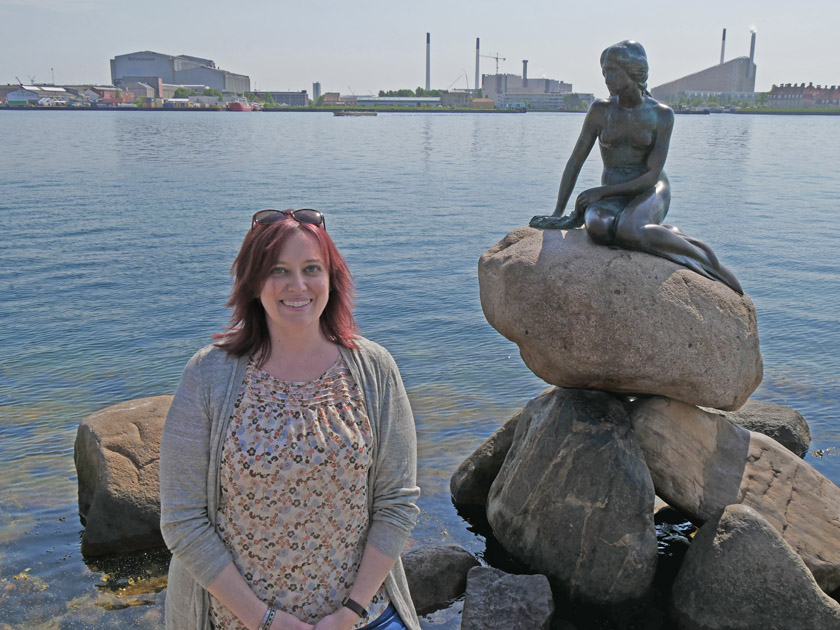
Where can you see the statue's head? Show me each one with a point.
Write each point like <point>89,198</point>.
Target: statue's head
<point>632,58</point>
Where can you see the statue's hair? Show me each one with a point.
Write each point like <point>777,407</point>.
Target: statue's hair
<point>631,56</point>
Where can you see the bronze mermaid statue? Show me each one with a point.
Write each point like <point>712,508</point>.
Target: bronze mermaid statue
<point>633,131</point>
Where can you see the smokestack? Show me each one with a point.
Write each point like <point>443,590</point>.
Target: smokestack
<point>524,73</point>
<point>428,61</point>
<point>722,46</point>
<point>750,71</point>
<point>477,76</point>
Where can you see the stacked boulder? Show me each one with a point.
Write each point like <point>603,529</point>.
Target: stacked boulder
<point>650,361</point>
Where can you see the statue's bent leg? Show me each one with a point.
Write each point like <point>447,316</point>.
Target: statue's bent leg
<point>601,222</point>
<point>638,228</point>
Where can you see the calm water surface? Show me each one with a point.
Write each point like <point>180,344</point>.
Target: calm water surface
<point>118,230</point>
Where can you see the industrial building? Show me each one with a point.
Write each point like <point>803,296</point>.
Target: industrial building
<point>728,81</point>
<point>40,94</point>
<point>397,101</point>
<point>154,68</point>
<point>510,90</point>
<point>292,99</point>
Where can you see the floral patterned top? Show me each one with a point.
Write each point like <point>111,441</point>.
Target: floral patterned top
<point>293,508</point>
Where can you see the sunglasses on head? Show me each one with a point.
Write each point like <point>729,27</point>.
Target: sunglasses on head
<point>304,215</point>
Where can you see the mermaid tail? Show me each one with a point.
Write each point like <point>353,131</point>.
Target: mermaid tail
<point>713,270</point>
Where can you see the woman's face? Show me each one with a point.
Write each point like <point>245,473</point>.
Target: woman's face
<point>616,77</point>
<point>297,291</point>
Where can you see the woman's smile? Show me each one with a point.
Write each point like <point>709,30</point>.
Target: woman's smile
<point>298,288</point>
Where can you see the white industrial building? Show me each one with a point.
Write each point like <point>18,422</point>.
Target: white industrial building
<point>511,90</point>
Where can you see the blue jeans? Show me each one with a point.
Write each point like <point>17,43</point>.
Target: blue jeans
<point>388,620</point>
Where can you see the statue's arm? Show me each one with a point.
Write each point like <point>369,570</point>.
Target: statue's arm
<point>583,146</point>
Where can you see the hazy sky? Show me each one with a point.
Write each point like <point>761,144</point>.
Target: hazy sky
<point>368,45</point>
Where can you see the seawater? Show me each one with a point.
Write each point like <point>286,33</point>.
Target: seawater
<point>118,230</point>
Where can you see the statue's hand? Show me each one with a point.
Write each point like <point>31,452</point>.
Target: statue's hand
<point>587,198</point>
<point>555,223</point>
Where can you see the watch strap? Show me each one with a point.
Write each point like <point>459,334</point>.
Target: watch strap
<point>355,606</point>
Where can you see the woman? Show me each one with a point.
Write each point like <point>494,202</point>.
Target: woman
<point>633,131</point>
<point>288,458</point>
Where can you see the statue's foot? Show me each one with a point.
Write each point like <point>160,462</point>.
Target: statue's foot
<point>555,223</point>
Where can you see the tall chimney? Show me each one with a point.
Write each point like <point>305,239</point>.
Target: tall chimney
<point>750,71</point>
<point>524,73</point>
<point>428,61</point>
<point>722,46</point>
<point>477,77</point>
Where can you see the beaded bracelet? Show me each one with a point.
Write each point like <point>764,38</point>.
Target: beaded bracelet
<point>265,624</point>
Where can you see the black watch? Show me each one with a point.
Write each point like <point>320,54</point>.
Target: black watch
<point>355,606</point>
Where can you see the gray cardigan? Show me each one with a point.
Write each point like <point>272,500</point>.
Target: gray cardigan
<point>190,454</point>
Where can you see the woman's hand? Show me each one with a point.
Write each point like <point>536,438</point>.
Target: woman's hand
<point>341,619</point>
<point>285,621</point>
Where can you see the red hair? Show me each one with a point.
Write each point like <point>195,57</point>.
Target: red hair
<point>248,330</point>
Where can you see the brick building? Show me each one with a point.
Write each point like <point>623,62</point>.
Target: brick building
<point>793,95</point>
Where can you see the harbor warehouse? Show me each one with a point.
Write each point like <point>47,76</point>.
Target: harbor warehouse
<point>148,66</point>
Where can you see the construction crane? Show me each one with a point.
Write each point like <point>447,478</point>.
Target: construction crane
<point>458,78</point>
<point>497,58</point>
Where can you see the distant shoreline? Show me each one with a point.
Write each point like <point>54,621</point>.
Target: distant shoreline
<point>391,110</point>
<point>803,111</point>
<point>406,110</point>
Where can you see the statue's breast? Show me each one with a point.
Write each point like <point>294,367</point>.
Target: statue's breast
<point>615,136</point>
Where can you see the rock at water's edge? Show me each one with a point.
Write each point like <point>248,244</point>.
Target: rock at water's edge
<point>593,317</point>
<point>436,575</point>
<point>471,482</point>
<point>117,455</point>
<point>574,499</point>
<point>739,573</point>
<point>783,424</point>
<point>500,601</point>
<point>700,463</point>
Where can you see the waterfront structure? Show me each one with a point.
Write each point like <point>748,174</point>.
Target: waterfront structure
<point>457,98</point>
<point>398,101</point>
<point>316,91</point>
<point>149,67</point>
<point>793,95</point>
<point>510,90</point>
<point>292,99</point>
<point>43,94</point>
<point>727,81</point>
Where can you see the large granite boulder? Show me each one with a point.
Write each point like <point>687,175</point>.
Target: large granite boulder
<point>436,575</point>
<point>117,455</point>
<point>470,484</point>
<point>593,317</point>
<point>701,462</point>
<point>783,424</point>
<point>500,601</point>
<point>739,574</point>
<point>574,499</point>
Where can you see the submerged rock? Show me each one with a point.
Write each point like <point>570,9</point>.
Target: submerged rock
<point>500,601</point>
<point>783,424</point>
<point>701,462</point>
<point>740,574</point>
<point>574,499</point>
<point>117,455</point>
<point>593,317</point>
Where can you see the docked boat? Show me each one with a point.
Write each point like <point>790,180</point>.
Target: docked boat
<point>238,106</point>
